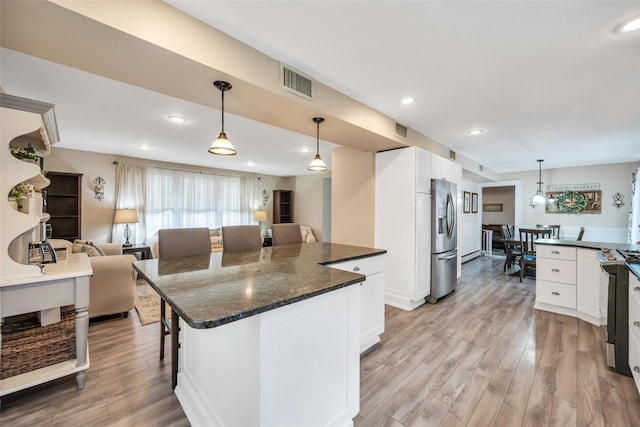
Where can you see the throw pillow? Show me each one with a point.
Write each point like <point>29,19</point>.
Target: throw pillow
<point>90,243</point>
<point>88,249</point>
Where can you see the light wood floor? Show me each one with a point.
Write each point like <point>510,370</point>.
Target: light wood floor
<point>483,356</point>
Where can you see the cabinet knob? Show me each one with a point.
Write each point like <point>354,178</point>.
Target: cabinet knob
<point>555,252</point>
<point>356,268</point>
<point>636,323</point>
<point>637,369</point>
<point>555,270</point>
<point>555,293</point>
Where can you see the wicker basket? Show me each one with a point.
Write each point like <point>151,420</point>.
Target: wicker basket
<point>27,346</point>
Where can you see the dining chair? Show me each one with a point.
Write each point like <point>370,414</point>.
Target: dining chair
<point>580,234</point>
<point>513,252</point>
<point>555,230</point>
<point>172,243</point>
<point>240,238</point>
<point>286,234</point>
<point>527,238</point>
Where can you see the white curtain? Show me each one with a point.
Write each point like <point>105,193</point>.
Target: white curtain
<point>177,199</point>
<point>634,213</point>
<point>131,193</point>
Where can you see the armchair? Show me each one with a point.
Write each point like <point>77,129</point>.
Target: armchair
<point>112,286</point>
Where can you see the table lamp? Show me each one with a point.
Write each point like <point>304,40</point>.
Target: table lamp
<point>260,216</point>
<point>126,216</point>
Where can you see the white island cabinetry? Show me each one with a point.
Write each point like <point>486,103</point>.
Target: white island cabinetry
<point>371,297</point>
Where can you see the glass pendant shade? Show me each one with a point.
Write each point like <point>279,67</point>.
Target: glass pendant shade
<point>222,146</point>
<point>538,198</point>
<point>317,165</point>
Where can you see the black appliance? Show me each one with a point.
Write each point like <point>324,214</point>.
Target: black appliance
<point>617,332</point>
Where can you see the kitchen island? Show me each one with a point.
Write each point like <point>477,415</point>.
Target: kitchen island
<point>267,337</point>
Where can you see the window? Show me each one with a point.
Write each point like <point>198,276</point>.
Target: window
<point>177,199</point>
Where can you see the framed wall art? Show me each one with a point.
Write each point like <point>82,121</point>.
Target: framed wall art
<point>466,204</point>
<point>492,207</point>
<point>474,202</point>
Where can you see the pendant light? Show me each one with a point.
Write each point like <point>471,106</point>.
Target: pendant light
<point>538,198</point>
<point>317,165</point>
<point>222,146</point>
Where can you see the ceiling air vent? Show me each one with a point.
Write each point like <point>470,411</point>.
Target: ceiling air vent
<point>401,131</point>
<point>452,154</point>
<point>296,82</point>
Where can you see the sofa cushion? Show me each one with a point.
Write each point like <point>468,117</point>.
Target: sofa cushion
<point>90,243</point>
<point>88,249</point>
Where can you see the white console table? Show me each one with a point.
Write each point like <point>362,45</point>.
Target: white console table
<point>63,283</point>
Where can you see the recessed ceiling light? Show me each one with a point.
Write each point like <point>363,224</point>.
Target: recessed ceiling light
<point>475,131</point>
<point>304,150</point>
<point>145,147</point>
<point>250,164</point>
<point>628,26</point>
<point>407,101</point>
<point>177,119</point>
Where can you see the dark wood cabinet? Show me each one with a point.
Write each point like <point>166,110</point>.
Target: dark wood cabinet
<point>282,206</point>
<point>64,204</point>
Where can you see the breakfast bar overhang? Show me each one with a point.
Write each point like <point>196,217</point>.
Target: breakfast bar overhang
<point>268,337</point>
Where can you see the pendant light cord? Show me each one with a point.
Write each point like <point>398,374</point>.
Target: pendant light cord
<point>222,91</point>
<point>318,137</point>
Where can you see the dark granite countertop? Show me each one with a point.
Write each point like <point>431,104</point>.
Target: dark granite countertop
<point>213,290</point>
<point>586,245</point>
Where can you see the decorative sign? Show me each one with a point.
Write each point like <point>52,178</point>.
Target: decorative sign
<point>574,201</point>
<point>572,187</point>
<point>492,207</point>
<point>618,200</point>
<point>474,202</point>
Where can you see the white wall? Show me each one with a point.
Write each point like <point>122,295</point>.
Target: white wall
<point>470,238</point>
<point>503,195</point>
<point>308,196</point>
<point>609,226</point>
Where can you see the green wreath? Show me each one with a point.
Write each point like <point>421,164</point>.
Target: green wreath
<point>571,202</point>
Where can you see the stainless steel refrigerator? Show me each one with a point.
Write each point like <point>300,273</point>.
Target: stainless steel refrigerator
<point>444,239</point>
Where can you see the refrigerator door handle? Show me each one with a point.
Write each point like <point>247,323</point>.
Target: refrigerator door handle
<point>452,256</point>
<point>451,215</point>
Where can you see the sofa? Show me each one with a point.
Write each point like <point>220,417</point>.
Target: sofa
<point>112,287</point>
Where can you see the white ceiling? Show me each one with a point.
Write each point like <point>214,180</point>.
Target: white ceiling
<point>545,79</point>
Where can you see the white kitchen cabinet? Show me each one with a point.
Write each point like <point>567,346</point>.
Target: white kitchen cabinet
<point>403,224</point>
<point>634,328</point>
<point>568,281</point>
<point>371,297</point>
<point>588,280</point>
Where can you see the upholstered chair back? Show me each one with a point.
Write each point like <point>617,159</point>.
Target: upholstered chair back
<point>240,238</point>
<point>176,242</point>
<point>286,234</point>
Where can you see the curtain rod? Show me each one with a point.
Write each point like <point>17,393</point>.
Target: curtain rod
<point>116,163</point>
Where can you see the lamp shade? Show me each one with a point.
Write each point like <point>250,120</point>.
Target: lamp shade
<point>260,215</point>
<point>125,216</point>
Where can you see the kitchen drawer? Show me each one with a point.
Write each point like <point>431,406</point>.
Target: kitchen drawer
<point>634,290</point>
<point>366,266</point>
<point>634,311</point>
<point>559,294</point>
<point>634,360</point>
<point>556,270</point>
<point>556,252</point>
